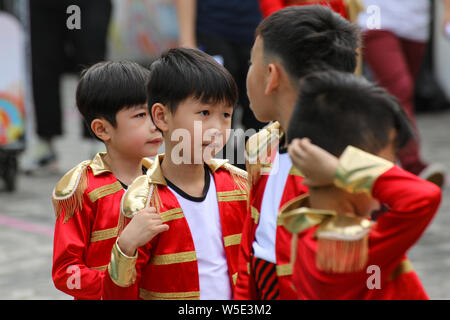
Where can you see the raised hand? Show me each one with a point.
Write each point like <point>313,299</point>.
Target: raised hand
<point>144,226</point>
<point>318,165</point>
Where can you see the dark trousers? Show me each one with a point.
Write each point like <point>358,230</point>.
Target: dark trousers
<point>55,50</point>
<point>396,63</point>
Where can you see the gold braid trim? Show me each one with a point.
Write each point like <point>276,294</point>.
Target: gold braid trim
<point>68,194</point>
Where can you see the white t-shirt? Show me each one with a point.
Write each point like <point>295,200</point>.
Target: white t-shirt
<point>265,234</point>
<point>407,19</point>
<point>204,223</point>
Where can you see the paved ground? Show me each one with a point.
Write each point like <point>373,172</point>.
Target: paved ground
<point>26,218</point>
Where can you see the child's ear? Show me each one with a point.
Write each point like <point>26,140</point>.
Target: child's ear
<point>101,128</point>
<point>273,78</point>
<point>160,116</point>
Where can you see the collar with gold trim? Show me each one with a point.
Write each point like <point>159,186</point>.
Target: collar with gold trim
<point>156,176</point>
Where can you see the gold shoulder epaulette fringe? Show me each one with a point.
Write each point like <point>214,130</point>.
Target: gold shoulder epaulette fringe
<point>67,195</point>
<point>240,177</point>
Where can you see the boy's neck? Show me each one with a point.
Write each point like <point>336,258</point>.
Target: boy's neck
<point>285,106</point>
<point>188,177</point>
<point>124,168</point>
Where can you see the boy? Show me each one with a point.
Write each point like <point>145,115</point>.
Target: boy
<point>203,201</point>
<point>111,98</point>
<point>344,251</point>
<point>289,44</point>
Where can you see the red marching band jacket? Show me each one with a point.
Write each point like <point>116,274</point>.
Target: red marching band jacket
<point>270,6</point>
<point>166,267</point>
<point>267,140</point>
<point>387,274</point>
<point>87,206</point>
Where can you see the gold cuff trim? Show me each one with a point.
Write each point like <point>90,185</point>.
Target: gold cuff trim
<point>104,234</point>
<point>172,214</point>
<point>295,172</point>
<point>121,267</point>
<point>101,268</point>
<point>284,270</point>
<point>404,267</point>
<point>255,214</point>
<point>104,191</point>
<point>358,170</point>
<point>153,295</point>
<point>232,240</point>
<point>234,278</point>
<point>181,257</point>
<point>248,268</point>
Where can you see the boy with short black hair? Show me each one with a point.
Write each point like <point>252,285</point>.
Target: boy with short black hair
<point>203,201</point>
<point>111,98</point>
<point>290,44</point>
<point>363,212</point>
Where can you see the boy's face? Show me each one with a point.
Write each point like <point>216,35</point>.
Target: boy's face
<point>135,135</point>
<point>199,127</point>
<point>260,103</point>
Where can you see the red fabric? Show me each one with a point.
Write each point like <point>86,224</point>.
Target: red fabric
<point>180,277</point>
<point>270,6</point>
<point>266,279</point>
<point>413,203</point>
<point>73,251</point>
<point>245,284</point>
<point>396,63</point>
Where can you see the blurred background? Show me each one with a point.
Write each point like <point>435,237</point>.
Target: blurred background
<point>44,44</point>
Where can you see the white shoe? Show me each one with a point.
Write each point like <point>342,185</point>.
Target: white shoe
<point>435,173</point>
<point>40,156</point>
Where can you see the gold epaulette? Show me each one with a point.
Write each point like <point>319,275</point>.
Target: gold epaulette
<point>260,148</point>
<point>358,170</point>
<point>68,193</point>
<point>240,177</point>
<point>342,239</point>
<point>137,196</point>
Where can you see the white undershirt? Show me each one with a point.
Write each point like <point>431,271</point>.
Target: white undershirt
<point>204,223</point>
<point>264,244</point>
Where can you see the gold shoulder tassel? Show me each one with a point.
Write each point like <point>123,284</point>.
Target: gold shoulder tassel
<point>68,194</point>
<point>240,178</point>
<point>342,244</point>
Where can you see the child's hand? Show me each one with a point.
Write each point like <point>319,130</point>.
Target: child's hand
<point>144,226</point>
<point>318,165</point>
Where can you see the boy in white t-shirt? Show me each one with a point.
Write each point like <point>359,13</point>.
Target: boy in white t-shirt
<point>202,200</point>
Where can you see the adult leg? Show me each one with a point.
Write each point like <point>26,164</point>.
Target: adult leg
<point>47,58</point>
<point>384,53</point>
<point>90,41</point>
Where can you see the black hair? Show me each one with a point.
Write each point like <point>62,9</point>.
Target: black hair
<point>310,38</point>
<point>336,109</point>
<point>107,87</point>
<point>183,73</point>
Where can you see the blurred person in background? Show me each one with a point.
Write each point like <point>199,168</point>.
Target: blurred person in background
<point>225,29</point>
<point>393,48</point>
<point>270,6</point>
<point>57,49</point>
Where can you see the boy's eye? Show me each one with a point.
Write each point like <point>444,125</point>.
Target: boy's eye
<point>141,115</point>
<point>226,115</point>
<point>204,112</point>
